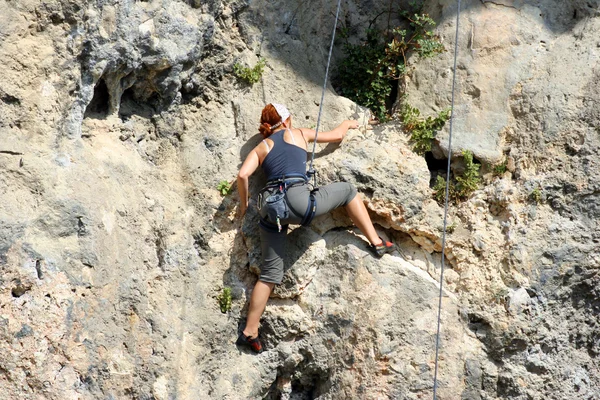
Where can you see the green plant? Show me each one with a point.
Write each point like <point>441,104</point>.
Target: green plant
<point>360,77</point>
<point>224,187</point>
<point>468,181</point>
<point>500,295</point>
<point>500,169</point>
<point>250,75</point>
<point>439,189</point>
<point>225,300</point>
<point>451,228</point>
<point>422,130</point>
<point>463,185</point>
<point>536,195</point>
<point>369,70</point>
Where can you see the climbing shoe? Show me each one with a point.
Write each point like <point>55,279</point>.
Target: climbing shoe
<point>253,343</point>
<point>381,249</point>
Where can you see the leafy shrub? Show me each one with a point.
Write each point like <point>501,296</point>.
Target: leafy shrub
<point>250,75</point>
<point>422,130</point>
<point>536,195</point>
<point>224,187</point>
<point>370,69</point>
<point>463,185</point>
<point>500,169</point>
<point>225,300</point>
<point>439,189</point>
<point>469,180</point>
<point>361,78</point>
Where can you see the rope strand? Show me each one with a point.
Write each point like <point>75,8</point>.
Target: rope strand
<point>311,171</point>
<point>439,318</point>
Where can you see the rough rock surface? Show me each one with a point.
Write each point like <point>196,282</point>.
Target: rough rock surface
<point>118,119</point>
<point>527,80</point>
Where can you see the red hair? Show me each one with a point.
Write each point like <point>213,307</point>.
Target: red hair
<point>269,120</point>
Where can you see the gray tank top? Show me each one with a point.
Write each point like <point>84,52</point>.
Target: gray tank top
<point>284,159</point>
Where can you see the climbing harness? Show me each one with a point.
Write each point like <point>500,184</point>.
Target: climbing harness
<point>272,196</point>
<point>274,207</point>
<point>439,317</point>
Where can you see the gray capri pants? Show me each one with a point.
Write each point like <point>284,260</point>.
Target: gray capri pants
<point>328,198</point>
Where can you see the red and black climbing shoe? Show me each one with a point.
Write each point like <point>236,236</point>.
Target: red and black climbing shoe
<point>254,343</point>
<point>383,248</point>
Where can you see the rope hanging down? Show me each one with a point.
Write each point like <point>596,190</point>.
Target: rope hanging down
<point>437,337</point>
<point>311,171</point>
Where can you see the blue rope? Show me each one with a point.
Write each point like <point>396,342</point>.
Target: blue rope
<point>311,171</point>
<point>439,318</point>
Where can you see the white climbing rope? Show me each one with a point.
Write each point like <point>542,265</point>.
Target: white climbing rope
<point>439,318</point>
<point>311,171</point>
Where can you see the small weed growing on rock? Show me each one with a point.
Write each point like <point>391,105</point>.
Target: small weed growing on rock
<point>500,295</point>
<point>500,169</point>
<point>536,195</point>
<point>463,185</point>
<point>224,187</point>
<point>250,75</point>
<point>225,300</point>
<point>370,69</point>
<point>469,180</point>
<point>451,228</point>
<point>422,130</point>
<point>439,189</point>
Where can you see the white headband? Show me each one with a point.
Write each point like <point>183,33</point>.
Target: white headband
<point>282,111</point>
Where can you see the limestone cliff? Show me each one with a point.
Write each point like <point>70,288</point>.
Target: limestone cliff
<point>118,119</point>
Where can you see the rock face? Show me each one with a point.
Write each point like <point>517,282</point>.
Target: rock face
<point>119,119</point>
<point>526,74</point>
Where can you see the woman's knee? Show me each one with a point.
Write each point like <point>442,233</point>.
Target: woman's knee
<point>272,271</point>
<point>272,278</point>
<point>352,193</point>
<point>271,285</point>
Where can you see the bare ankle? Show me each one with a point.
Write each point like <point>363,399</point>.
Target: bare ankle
<point>377,242</point>
<point>250,334</point>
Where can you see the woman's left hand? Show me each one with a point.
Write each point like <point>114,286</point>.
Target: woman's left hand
<point>242,210</point>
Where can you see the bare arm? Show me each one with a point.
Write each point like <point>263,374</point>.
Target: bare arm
<point>334,135</point>
<point>248,167</point>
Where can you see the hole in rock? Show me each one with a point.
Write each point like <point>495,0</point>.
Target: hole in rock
<point>435,164</point>
<point>132,104</point>
<point>391,99</point>
<point>478,324</point>
<point>9,99</point>
<point>307,385</point>
<point>98,107</point>
<point>436,167</point>
<point>506,386</point>
<point>18,291</point>
<point>38,269</point>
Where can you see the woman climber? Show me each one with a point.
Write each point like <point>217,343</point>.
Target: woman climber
<point>287,199</point>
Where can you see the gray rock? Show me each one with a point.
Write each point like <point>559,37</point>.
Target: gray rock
<point>518,301</point>
<point>115,243</point>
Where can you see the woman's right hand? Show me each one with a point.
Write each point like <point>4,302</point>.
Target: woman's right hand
<point>336,135</point>
<point>351,124</point>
